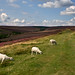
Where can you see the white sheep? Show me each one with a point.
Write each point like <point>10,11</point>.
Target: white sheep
<point>53,42</point>
<point>36,49</point>
<point>4,57</point>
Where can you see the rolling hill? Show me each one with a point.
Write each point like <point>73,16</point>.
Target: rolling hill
<point>56,59</point>
<point>12,34</point>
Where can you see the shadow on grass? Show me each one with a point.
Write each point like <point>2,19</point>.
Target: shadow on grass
<point>30,57</point>
<point>6,64</point>
<point>3,73</point>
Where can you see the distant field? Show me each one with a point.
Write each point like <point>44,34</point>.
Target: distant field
<point>16,34</point>
<point>55,60</point>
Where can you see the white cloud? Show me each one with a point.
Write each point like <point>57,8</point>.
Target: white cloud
<point>11,1</point>
<point>47,5</point>
<point>1,10</point>
<point>69,11</point>
<point>4,17</point>
<point>25,13</point>
<point>45,21</point>
<point>14,5</point>
<point>53,22</point>
<point>23,21</point>
<point>30,23</point>
<point>56,4</point>
<point>24,2</point>
<point>73,19</point>
<point>18,21</point>
<point>6,20</point>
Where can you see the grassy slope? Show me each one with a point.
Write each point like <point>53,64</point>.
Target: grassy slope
<point>55,60</point>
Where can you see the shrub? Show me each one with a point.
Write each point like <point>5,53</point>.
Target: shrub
<point>66,31</point>
<point>3,36</point>
<point>15,33</point>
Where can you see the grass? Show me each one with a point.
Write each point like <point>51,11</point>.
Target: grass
<point>55,60</point>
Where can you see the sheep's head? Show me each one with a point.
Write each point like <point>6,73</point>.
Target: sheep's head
<point>40,52</point>
<point>11,58</point>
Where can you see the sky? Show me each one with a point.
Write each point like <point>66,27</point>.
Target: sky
<point>37,12</point>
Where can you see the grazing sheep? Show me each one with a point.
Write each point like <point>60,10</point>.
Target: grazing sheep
<point>4,57</point>
<point>53,42</point>
<point>35,49</point>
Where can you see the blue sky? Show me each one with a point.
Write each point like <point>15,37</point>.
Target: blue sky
<point>37,12</point>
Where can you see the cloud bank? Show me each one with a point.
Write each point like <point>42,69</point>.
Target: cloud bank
<point>56,4</point>
<point>70,22</point>
<point>7,21</point>
<point>69,11</point>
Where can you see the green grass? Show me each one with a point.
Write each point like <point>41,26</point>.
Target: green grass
<point>55,60</point>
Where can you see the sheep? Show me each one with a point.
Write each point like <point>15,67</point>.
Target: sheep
<point>4,57</point>
<point>53,42</point>
<point>35,49</point>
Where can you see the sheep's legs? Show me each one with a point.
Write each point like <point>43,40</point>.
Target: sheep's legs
<point>36,53</point>
<point>32,53</point>
<point>51,43</point>
<point>2,61</point>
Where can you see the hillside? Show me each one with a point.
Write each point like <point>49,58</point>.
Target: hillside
<point>55,60</point>
<point>12,34</point>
